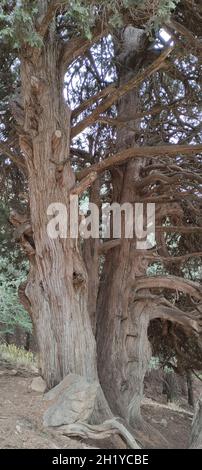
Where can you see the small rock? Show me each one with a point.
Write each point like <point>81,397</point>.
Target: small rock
<point>38,385</point>
<point>154,421</point>
<point>25,424</point>
<point>8,372</point>
<point>34,369</point>
<point>164,422</point>
<point>18,428</point>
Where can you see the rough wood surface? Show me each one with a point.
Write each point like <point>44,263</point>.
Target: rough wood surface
<point>196,435</point>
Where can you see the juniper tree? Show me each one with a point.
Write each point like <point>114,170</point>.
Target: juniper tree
<point>145,110</point>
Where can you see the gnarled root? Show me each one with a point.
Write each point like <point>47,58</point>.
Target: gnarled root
<point>77,407</point>
<point>106,430</point>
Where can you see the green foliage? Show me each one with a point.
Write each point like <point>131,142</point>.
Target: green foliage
<point>154,13</point>
<point>8,245</point>
<point>12,312</point>
<point>162,15</point>
<point>82,14</point>
<point>5,229</point>
<point>19,26</point>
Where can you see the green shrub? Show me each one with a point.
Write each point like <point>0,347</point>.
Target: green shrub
<point>12,313</point>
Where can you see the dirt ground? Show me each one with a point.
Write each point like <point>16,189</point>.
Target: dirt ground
<point>21,426</point>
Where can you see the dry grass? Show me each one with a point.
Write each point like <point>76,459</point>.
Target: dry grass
<point>17,356</point>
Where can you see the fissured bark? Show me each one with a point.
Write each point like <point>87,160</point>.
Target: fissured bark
<point>57,283</point>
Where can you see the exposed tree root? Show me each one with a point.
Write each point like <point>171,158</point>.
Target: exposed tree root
<point>77,407</point>
<point>106,430</point>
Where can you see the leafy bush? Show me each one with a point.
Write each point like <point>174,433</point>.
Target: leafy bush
<point>12,313</point>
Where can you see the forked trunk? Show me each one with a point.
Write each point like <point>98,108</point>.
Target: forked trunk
<point>56,293</point>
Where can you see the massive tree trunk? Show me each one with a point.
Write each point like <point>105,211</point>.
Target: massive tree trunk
<point>122,343</point>
<point>123,353</point>
<point>56,292</point>
<point>57,283</point>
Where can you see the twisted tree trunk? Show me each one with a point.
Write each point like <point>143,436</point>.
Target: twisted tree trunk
<point>57,284</point>
<point>122,343</point>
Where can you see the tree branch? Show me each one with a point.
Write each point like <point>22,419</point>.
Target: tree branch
<point>174,314</point>
<point>173,259</point>
<point>170,282</point>
<point>106,246</point>
<point>185,33</point>
<point>80,153</point>
<point>135,152</point>
<point>45,21</point>
<point>179,229</point>
<point>172,179</point>
<point>76,47</point>
<point>5,150</point>
<point>156,109</point>
<point>106,91</point>
<point>84,184</point>
<point>121,91</point>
